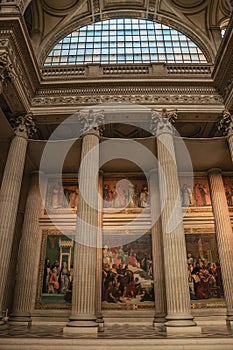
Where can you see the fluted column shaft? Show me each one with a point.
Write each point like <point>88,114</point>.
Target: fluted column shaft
<point>9,199</point>
<point>29,250</point>
<point>99,252</point>
<point>84,278</point>
<point>177,289</point>
<point>157,249</point>
<point>224,235</point>
<point>230,143</point>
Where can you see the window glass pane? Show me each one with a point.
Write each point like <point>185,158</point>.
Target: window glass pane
<point>141,40</point>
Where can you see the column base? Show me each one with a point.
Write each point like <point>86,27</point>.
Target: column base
<point>81,324</point>
<point>20,318</point>
<point>229,322</point>
<point>3,323</point>
<point>100,323</point>
<point>180,320</point>
<point>159,321</point>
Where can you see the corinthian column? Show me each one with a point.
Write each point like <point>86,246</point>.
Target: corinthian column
<point>10,191</point>
<point>83,315</point>
<point>226,127</point>
<point>157,250</point>
<point>179,316</point>
<point>224,236</point>
<point>29,251</point>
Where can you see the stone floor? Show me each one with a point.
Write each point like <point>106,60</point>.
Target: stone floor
<point>114,336</point>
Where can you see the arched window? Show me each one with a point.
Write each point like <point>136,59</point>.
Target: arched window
<point>125,40</point>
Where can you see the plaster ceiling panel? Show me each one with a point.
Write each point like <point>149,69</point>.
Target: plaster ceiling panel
<point>188,3</point>
<point>57,155</point>
<point>59,4</point>
<point>199,19</point>
<point>189,129</point>
<point>50,22</point>
<point>204,153</point>
<point>123,4</point>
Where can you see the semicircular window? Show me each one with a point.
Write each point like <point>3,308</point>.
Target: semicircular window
<point>124,40</point>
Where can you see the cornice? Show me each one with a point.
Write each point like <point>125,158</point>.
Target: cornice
<point>144,96</point>
<point>223,69</point>
<point>156,87</point>
<point>14,41</point>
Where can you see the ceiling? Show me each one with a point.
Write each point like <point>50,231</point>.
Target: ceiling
<point>50,20</point>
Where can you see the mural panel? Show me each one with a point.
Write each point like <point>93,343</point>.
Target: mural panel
<point>204,270</point>
<point>126,193</point>
<point>61,195</point>
<point>194,193</point>
<point>56,270</point>
<point>228,185</point>
<point>127,275</point>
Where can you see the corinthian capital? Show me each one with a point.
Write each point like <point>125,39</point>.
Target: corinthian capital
<point>24,125</point>
<point>91,120</point>
<point>163,122</point>
<point>226,123</point>
<point>6,70</point>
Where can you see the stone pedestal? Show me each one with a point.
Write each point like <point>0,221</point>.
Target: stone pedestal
<point>224,236</point>
<point>157,250</point>
<point>9,195</point>
<point>28,258</point>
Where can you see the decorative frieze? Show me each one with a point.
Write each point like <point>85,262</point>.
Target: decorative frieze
<point>127,97</point>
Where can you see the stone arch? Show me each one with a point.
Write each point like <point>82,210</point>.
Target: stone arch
<point>198,38</point>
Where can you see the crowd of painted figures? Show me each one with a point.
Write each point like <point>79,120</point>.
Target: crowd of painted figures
<point>124,275</point>
<point>205,279</point>
<point>131,197</point>
<point>126,196</point>
<point>56,279</point>
<point>135,196</point>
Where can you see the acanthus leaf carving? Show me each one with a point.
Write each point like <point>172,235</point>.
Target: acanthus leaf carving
<point>24,125</point>
<point>163,122</point>
<point>91,120</point>
<point>226,123</point>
